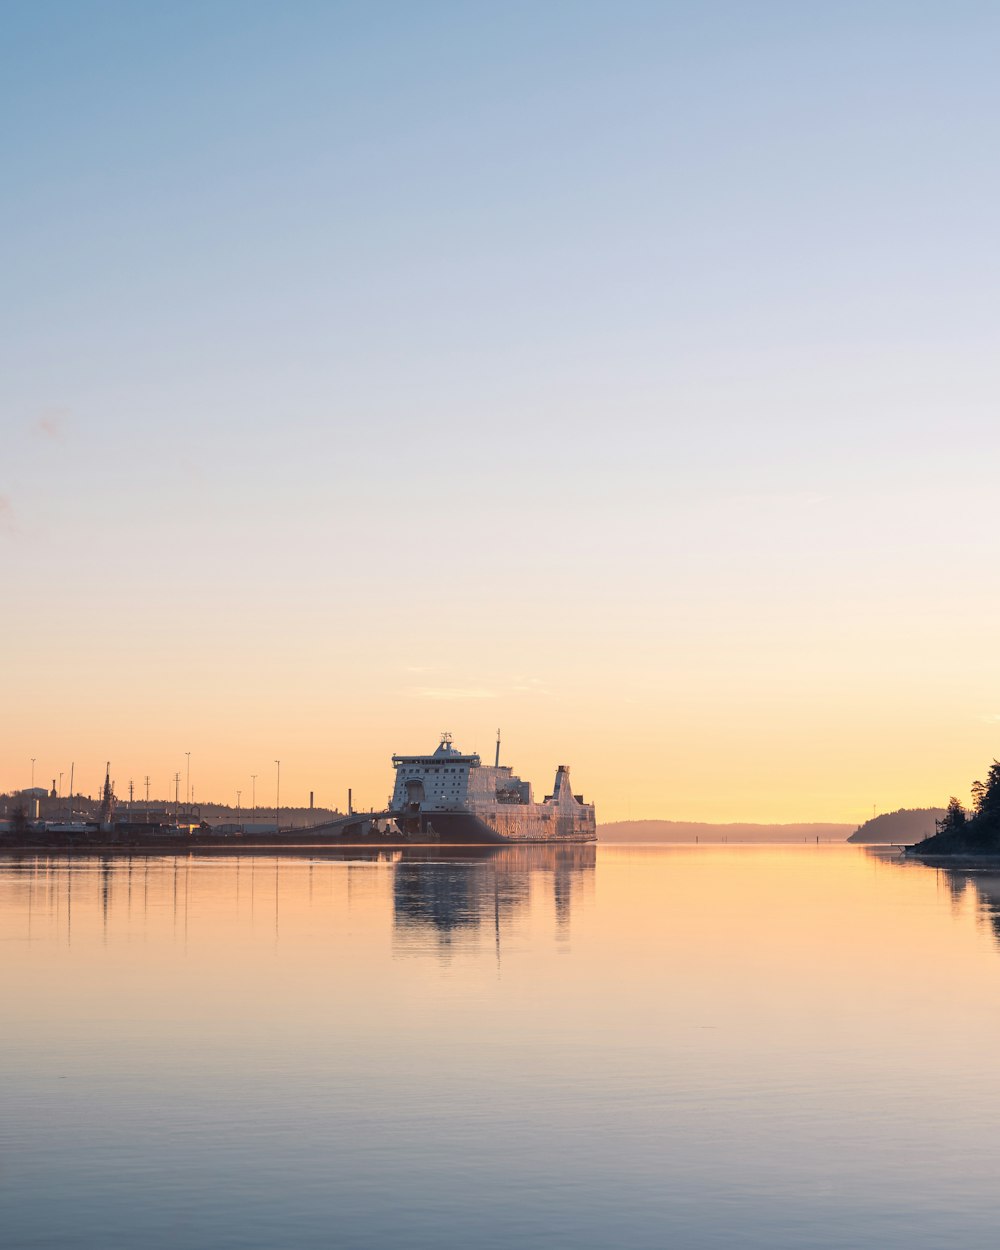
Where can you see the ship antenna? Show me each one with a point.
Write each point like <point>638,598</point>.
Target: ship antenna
<point>497,761</point>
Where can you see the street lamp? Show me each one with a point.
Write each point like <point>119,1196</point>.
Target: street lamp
<point>238,793</point>
<point>277,799</point>
<point>253,794</point>
<point>32,772</point>
<point>188,782</point>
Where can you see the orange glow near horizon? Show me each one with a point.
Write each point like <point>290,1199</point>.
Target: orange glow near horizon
<point>695,764</point>
<point>466,436</point>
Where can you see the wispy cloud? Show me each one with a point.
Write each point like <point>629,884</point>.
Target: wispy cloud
<point>529,685</point>
<point>991,718</point>
<point>446,694</point>
<point>519,683</point>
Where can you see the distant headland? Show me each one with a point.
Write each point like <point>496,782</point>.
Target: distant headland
<point>908,824</point>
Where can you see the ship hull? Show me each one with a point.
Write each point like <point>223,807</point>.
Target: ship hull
<point>467,828</point>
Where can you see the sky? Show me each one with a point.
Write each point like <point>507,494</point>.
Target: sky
<point>622,375</point>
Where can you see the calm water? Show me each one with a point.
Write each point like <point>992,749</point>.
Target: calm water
<point>642,1047</point>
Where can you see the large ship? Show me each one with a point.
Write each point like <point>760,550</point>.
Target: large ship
<point>451,797</point>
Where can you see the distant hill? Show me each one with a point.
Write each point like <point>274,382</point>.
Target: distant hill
<point>909,824</point>
<point>691,831</point>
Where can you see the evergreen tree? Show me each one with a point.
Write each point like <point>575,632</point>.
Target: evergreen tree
<point>986,802</point>
<point>954,819</point>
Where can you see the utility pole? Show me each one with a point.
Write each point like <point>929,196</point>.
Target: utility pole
<point>177,796</point>
<point>130,796</point>
<point>188,784</point>
<point>238,793</point>
<point>277,799</point>
<point>253,799</point>
<point>147,792</point>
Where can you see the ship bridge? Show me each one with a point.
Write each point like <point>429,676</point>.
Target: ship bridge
<point>439,781</point>
<point>446,755</point>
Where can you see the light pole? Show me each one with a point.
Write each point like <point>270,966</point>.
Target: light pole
<point>60,785</point>
<point>32,772</point>
<point>277,799</point>
<point>253,794</point>
<point>188,782</point>
<point>238,793</point>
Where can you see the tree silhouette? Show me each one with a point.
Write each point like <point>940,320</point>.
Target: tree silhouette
<point>954,819</point>
<point>976,832</point>
<point>984,827</point>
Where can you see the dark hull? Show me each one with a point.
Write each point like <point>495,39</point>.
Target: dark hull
<point>464,829</point>
<point>454,828</point>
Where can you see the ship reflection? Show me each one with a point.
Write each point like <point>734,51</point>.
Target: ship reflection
<point>453,895</point>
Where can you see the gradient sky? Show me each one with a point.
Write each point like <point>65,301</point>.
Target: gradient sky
<point>625,375</point>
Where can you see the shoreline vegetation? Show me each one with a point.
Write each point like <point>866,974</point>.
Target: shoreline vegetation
<point>972,832</point>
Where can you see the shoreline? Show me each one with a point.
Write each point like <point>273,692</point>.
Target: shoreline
<point>960,859</point>
<point>164,846</point>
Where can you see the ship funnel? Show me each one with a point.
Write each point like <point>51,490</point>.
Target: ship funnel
<point>562,792</point>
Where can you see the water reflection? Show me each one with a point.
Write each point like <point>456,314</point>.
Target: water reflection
<point>981,885</point>
<point>448,897</point>
<point>448,894</point>
<point>984,887</point>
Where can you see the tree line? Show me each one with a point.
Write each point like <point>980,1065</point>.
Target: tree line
<point>980,824</point>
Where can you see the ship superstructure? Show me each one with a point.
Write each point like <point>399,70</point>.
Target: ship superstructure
<point>457,797</point>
